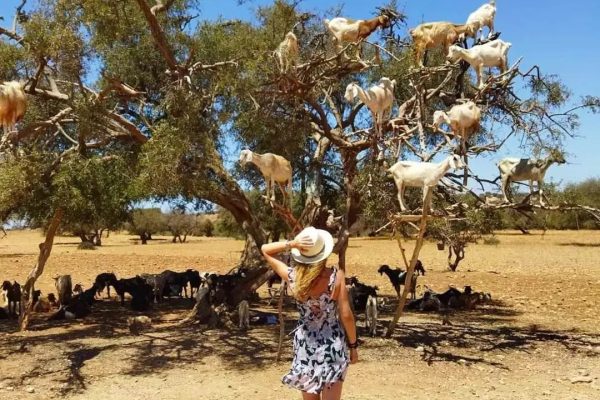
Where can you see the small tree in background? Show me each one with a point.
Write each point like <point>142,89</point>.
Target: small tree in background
<point>180,225</point>
<point>146,222</point>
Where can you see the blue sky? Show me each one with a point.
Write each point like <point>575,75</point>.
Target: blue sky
<point>562,37</point>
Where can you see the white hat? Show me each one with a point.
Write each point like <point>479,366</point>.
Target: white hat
<point>320,250</point>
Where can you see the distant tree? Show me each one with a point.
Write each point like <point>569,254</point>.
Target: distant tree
<point>146,222</point>
<point>180,225</point>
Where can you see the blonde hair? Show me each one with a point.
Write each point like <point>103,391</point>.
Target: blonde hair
<point>305,277</point>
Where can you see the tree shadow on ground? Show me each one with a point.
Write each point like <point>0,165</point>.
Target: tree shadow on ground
<point>448,343</point>
<point>68,345</point>
<point>580,244</point>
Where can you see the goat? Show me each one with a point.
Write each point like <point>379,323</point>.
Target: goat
<point>157,282</point>
<point>141,297</point>
<point>274,168</point>
<point>175,283</point>
<point>490,54</point>
<point>77,289</point>
<point>482,17</point>
<point>63,288</point>
<point>463,119</point>
<point>138,324</point>
<point>13,104</point>
<point>432,35</point>
<point>128,285</point>
<point>515,170</point>
<point>360,294</point>
<point>287,52</point>
<point>421,174</point>
<point>244,315</point>
<point>13,296</point>
<point>430,302</point>
<point>397,277</point>
<point>106,280</point>
<point>79,306</point>
<point>371,315</point>
<point>378,98</point>
<point>194,279</point>
<point>345,30</point>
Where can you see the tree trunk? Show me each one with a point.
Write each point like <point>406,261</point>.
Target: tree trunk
<point>352,203</point>
<point>459,253</point>
<point>26,303</point>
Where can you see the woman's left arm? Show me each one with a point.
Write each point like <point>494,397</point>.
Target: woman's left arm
<point>346,315</point>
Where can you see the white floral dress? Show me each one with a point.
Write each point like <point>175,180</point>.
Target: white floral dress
<point>320,351</point>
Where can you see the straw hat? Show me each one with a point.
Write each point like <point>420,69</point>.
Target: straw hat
<point>320,250</point>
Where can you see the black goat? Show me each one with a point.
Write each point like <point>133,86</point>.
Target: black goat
<point>175,282</point>
<point>194,279</point>
<point>13,296</point>
<point>360,293</point>
<point>105,280</point>
<point>141,297</point>
<point>128,285</point>
<point>397,277</point>
<point>79,306</point>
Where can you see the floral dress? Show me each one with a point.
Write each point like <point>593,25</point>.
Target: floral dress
<point>320,351</point>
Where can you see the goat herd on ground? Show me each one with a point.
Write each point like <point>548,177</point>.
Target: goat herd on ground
<point>143,290</point>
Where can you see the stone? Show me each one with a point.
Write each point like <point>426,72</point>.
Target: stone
<point>30,389</point>
<point>581,379</point>
<point>420,349</point>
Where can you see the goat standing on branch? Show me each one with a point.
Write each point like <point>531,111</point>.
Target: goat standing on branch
<point>378,99</point>
<point>13,104</point>
<point>345,30</point>
<point>274,168</point>
<point>482,17</point>
<point>287,52</point>
<point>490,54</point>
<point>432,35</point>
<point>421,174</point>
<point>515,169</point>
<point>464,120</point>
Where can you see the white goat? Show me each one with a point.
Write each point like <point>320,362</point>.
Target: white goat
<point>244,314</point>
<point>526,169</point>
<point>491,54</point>
<point>13,104</point>
<point>274,168</point>
<point>421,174</point>
<point>287,52</point>
<point>378,98</point>
<point>482,17</point>
<point>463,119</point>
<point>345,30</point>
<point>371,315</point>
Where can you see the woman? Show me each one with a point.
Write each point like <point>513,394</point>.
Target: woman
<point>320,344</point>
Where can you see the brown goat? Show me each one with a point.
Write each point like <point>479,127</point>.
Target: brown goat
<point>346,30</point>
<point>432,35</point>
<point>13,104</point>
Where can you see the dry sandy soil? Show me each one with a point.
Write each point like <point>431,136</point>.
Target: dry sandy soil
<point>539,339</point>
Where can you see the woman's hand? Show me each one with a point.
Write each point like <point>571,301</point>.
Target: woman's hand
<point>303,242</point>
<point>353,356</point>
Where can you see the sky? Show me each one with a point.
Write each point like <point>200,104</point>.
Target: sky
<point>561,37</point>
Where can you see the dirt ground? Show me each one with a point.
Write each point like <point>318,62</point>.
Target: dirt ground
<point>539,339</point>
